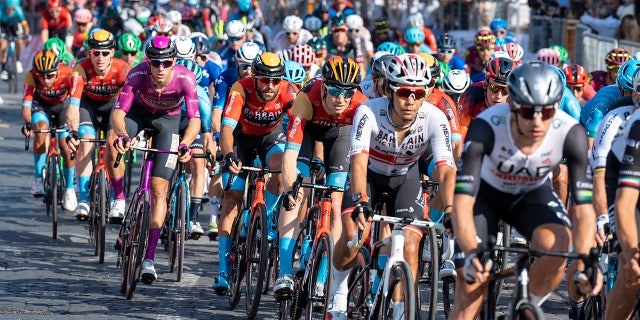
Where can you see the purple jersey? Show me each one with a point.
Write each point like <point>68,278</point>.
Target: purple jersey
<point>139,89</point>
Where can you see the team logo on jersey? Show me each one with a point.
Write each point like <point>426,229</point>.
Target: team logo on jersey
<point>498,120</point>
<point>361,124</point>
<point>557,123</point>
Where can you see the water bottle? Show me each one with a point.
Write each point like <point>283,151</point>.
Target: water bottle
<point>246,220</point>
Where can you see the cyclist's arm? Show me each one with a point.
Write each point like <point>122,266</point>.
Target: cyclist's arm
<point>301,112</point>
<point>78,78</point>
<point>479,143</point>
<point>627,194</point>
<point>231,116</point>
<point>27,97</point>
<point>44,34</point>
<point>123,104</point>
<point>361,135</point>
<point>193,109</point>
<point>443,157</point>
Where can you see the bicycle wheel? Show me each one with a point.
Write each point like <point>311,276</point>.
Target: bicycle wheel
<point>94,195</point>
<point>448,294</point>
<point>139,236</point>
<point>400,281</point>
<point>52,177</point>
<point>237,263</point>
<point>428,267</point>
<point>359,287</point>
<point>177,232</point>
<point>128,172</point>
<point>527,311</point>
<point>257,256</point>
<point>101,214</point>
<point>123,242</point>
<point>318,290</point>
<point>593,307</point>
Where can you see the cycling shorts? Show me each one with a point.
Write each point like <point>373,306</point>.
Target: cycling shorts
<point>94,113</point>
<point>197,142</point>
<point>336,157</point>
<point>12,30</point>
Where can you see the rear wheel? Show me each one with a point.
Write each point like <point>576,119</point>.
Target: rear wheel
<point>448,294</point>
<point>257,256</point>
<point>127,172</point>
<point>101,214</point>
<point>401,283</point>
<point>428,267</point>
<point>52,177</point>
<point>237,263</point>
<point>319,284</point>
<point>359,289</point>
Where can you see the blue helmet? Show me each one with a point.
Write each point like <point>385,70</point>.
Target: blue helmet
<point>563,76</point>
<point>625,74</point>
<point>294,72</point>
<point>498,23</point>
<point>390,47</point>
<point>414,35</point>
<point>193,66</point>
<point>13,3</point>
<point>244,5</point>
<point>193,3</point>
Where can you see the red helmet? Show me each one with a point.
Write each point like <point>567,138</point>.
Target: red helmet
<point>617,57</point>
<point>576,74</point>
<point>498,70</point>
<point>484,38</point>
<point>53,4</point>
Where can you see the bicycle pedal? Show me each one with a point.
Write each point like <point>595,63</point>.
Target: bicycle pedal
<point>115,220</point>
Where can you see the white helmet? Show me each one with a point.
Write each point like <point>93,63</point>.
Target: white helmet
<point>408,69</point>
<point>174,16</point>
<point>235,29</point>
<point>500,54</point>
<point>355,21</point>
<point>312,23</point>
<point>292,24</point>
<point>416,20</point>
<point>162,25</point>
<point>186,48</point>
<point>247,52</point>
<point>456,81</point>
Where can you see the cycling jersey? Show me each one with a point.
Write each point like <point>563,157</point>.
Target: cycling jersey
<point>222,86</point>
<point>610,129</point>
<point>350,50</point>
<point>508,38</point>
<point>474,63</point>
<point>593,111</point>
<point>204,105</point>
<point>367,87</point>
<point>308,108</point>
<point>446,105</point>
<point>570,104</point>
<point>86,82</point>
<point>139,89</point>
<point>492,155</point>
<point>599,79</point>
<point>471,103</point>
<point>63,21</point>
<point>34,88</point>
<point>16,17</point>
<point>457,63</point>
<point>255,117</point>
<point>210,72</point>
<point>364,39</point>
<point>281,42</point>
<point>374,134</point>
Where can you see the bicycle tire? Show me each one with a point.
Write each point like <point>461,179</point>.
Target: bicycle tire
<point>237,263</point>
<point>359,286</point>
<point>93,208</point>
<point>257,256</point>
<point>182,231</point>
<point>400,275</point>
<point>139,237</point>
<point>528,311</point>
<point>128,172</point>
<point>448,294</point>
<point>317,302</point>
<point>52,172</point>
<point>103,197</point>
<point>428,267</point>
<point>593,308</point>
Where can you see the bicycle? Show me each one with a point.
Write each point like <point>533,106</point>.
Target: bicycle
<point>397,278</point>
<point>311,288</point>
<point>52,174</point>
<point>429,262</point>
<point>134,231</point>
<point>11,65</point>
<point>178,222</point>
<point>521,307</point>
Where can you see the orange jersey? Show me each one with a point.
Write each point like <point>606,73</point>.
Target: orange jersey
<point>441,100</point>
<point>308,107</point>
<point>86,82</point>
<point>472,102</point>
<point>255,117</point>
<point>34,88</point>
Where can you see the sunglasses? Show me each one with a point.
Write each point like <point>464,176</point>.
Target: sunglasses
<point>578,88</point>
<point>354,30</point>
<point>244,67</point>
<point>234,39</point>
<point>266,81</point>
<point>319,54</point>
<point>129,53</point>
<point>529,112</point>
<point>164,63</point>
<point>54,10</point>
<point>164,34</point>
<point>405,92</point>
<point>47,75</point>
<point>613,68</point>
<point>292,33</point>
<point>104,53</point>
<point>83,24</point>
<point>495,88</point>
<point>336,92</point>
<point>446,51</point>
<point>499,32</point>
<point>415,44</point>
<point>484,48</point>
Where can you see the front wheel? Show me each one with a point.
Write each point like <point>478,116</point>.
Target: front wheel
<point>528,311</point>
<point>52,193</point>
<point>237,263</point>
<point>319,285</point>
<point>428,267</point>
<point>139,237</point>
<point>359,287</point>
<point>401,288</point>
<point>257,258</point>
<point>101,218</point>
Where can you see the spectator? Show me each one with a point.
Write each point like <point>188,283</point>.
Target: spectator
<point>601,20</point>
<point>628,29</point>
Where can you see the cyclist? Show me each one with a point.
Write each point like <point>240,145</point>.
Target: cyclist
<point>479,54</point>
<point>549,56</point>
<point>485,94</point>
<point>294,73</point>
<point>97,81</point>
<point>500,29</point>
<point>112,21</point>
<point>313,24</point>
<point>455,83</point>
<point>511,160</point>
<point>210,70</point>
<point>614,59</point>
<point>55,21</point>
<point>340,43</point>
<point>152,98</point>
<point>357,30</point>
<point>82,18</point>
<point>58,46</point>
<point>129,46</point>
<point>292,34</point>
<point>515,52</point>
<point>386,145</point>
<point>245,11</point>
<point>414,37</point>
<point>13,24</point>
<point>236,36</point>
<point>252,121</point>
<point>320,50</point>
<point>577,81</point>
<point>563,55</point>
<point>372,86</point>
<point>416,20</point>
<point>322,113</point>
<point>303,54</point>
<point>46,88</point>
<point>179,29</point>
<point>383,32</point>
<point>447,53</point>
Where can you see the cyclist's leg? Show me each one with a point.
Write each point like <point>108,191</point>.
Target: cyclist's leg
<point>541,218</point>
<point>4,44</point>
<point>336,155</point>
<point>18,31</point>
<point>198,179</point>
<point>271,154</point>
<point>69,169</point>
<point>622,298</point>
<point>84,164</point>
<point>40,121</point>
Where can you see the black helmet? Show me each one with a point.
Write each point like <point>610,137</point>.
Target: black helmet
<point>101,39</point>
<point>535,83</point>
<point>341,72</point>
<point>267,65</point>
<point>160,47</point>
<point>379,66</point>
<point>446,42</point>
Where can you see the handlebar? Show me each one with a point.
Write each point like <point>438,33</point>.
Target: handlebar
<point>260,171</point>
<point>26,138</point>
<point>398,222</point>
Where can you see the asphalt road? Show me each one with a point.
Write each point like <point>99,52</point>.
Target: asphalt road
<point>42,278</point>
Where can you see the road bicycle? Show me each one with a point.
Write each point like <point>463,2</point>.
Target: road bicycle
<point>521,307</point>
<point>52,174</point>
<point>313,282</point>
<point>395,296</point>
<point>429,262</point>
<point>134,231</point>
<point>178,221</point>
<point>11,65</point>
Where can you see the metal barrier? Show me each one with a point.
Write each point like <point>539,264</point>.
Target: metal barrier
<point>543,32</point>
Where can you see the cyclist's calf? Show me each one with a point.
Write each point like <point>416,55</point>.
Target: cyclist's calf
<point>547,271</point>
